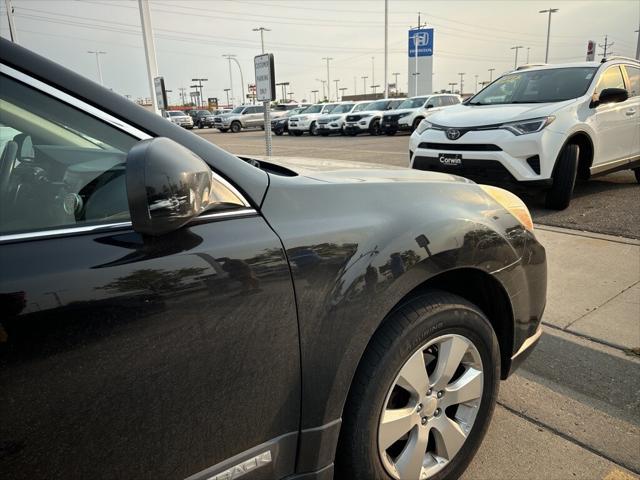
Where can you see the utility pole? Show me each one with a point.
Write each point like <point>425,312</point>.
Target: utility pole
<point>323,89</point>
<point>549,11</point>
<point>284,90</point>
<point>200,80</point>
<point>607,46</point>
<point>462,82</point>
<point>182,95</point>
<point>516,48</point>
<point>230,79</point>
<point>149,50</point>
<point>12,25</point>
<point>336,82</point>
<point>97,54</point>
<point>233,57</point>
<point>328,80</point>
<point>638,45</point>
<point>261,30</point>
<point>226,90</point>
<point>528,48</point>
<point>491,74</point>
<point>364,84</point>
<point>342,90</point>
<point>386,48</point>
<point>395,75</point>
<point>373,69</point>
<point>315,96</point>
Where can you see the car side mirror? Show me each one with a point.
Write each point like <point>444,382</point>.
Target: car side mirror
<point>167,185</point>
<point>429,106</point>
<point>610,95</point>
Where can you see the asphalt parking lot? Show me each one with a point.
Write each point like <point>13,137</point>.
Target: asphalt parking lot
<point>573,408</point>
<point>608,204</point>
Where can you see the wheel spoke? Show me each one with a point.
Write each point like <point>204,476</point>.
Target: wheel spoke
<point>450,354</point>
<point>449,437</point>
<point>468,387</point>
<point>409,463</point>
<point>413,376</point>
<point>395,424</point>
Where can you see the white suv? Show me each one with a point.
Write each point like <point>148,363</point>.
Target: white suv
<point>368,120</point>
<point>413,110</point>
<point>541,126</point>
<point>334,122</point>
<point>307,121</point>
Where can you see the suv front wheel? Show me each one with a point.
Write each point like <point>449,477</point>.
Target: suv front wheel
<point>424,393</point>
<point>564,178</point>
<point>236,127</point>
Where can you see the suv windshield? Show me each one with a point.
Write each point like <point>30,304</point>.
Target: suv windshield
<point>176,114</point>
<point>344,108</point>
<point>238,110</point>
<point>413,102</point>
<point>361,107</point>
<point>313,109</point>
<point>537,86</point>
<point>379,105</point>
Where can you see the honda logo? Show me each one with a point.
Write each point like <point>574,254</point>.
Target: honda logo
<point>453,133</point>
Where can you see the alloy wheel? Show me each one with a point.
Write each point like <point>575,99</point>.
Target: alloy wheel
<point>430,408</point>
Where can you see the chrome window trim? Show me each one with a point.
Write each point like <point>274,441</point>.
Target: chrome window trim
<point>113,121</point>
<point>107,227</point>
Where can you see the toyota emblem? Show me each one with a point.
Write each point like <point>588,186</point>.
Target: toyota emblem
<point>453,133</point>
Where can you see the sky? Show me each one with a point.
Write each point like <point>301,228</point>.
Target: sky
<point>191,37</point>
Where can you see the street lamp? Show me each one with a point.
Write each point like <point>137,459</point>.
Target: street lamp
<point>373,87</point>
<point>516,48</point>
<point>451,85</point>
<point>462,82</point>
<point>284,90</point>
<point>549,11</point>
<point>261,30</point>
<point>395,74</point>
<point>328,81</point>
<point>364,81</point>
<point>97,54</point>
<point>315,96</point>
<point>233,57</point>
<point>342,90</point>
<point>491,74</point>
<point>323,82</point>
<point>476,76</point>
<point>226,90</point>
<point>199,80</point>
<point>336,82</point>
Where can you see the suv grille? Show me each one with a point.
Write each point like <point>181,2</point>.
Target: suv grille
<point>490,172</point>
<point>461,147</point>
<point>353,118</point>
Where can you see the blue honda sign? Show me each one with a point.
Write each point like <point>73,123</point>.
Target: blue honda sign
<point>424,39</point>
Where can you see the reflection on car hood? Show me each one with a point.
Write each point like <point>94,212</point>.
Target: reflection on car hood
<point>478,115</point>
<point>401,110</point>
<point>339,171</point>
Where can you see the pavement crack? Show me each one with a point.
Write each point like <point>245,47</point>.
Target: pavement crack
<point>568,438</point>
<point>615,346</point>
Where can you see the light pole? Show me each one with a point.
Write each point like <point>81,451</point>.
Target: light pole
<point>395,75</point>
<point>149,50</point>
<point>226,90</point>
<point>342,90</point>
<point>516,48</point>
<point>364,84</point>
<point>291,94</point>
<point>373,69</point>
<point>386,48</point>
<point>284,90</point>
<point>323,87</point>
<point>451,85</point>
<point>462,74</point>
<point>183,95</point>
<point>328,80</point>
<point>315,96</point>
<point>336,82</point>
<point>476,83</point>
<point>97,54</point>
<point>233,57</point>
<point>13,35</point>
<point>415,76</point>
<point>528,49</point>
<point>374,87</point>
<point>261,30</point>
<point>549,11</point>
<point>491,74</point>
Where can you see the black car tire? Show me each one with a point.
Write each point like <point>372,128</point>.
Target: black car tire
<point>405,330</point>
<point>190,127</point>
<point>374,128</point>
<point>223,130</point>
<point>313,129</point>
<point>564,179</point>
<point>278,132</point>
<point>200,126</point>
<point>636,171</point>
<point>415,123</point>
<point>235,127</point>
<point>297,133</point>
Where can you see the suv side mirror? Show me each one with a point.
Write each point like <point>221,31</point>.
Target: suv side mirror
<point>429,105</point>
<point>167,185</point>
<point>610,95</point>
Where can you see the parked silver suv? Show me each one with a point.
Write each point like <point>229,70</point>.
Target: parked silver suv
<point>244,116</point>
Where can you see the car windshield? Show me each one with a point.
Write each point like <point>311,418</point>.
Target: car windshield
<point>238,110</point>
<point>413,102</point>
<point>344,108</point>
<point>330,107</point>
<point>361,107</point>
<point>204,112</point>
<point>537,86</point>
<point>176,114</point>
<point>314,109</point>
<point>379,105</point>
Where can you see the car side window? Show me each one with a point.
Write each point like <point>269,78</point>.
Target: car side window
<point>634,80</point>
<point>59,166</point>
<point>611,78</point>
<point>453,100</point>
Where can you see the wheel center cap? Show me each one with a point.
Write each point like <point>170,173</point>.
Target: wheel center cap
<point>429,406</point>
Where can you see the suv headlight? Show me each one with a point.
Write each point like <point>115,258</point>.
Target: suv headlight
<point>365,115</point>
<point>404,114</point>
<point>511,203</point>
<point>332,119</point>
<point>528,126</point>
<point>300,119</point>
<point>423,127</point>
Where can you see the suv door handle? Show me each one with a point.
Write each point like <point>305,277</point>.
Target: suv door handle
<point>630,112</point>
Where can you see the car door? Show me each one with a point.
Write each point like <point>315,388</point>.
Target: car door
<point>613,127</point>
<point>632,79</point>
<point>123,355</point>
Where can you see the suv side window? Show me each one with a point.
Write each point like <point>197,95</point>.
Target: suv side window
<point>59,167</point>
<point>611,78</point>
<point>453,100</point>
<point>634,80</point>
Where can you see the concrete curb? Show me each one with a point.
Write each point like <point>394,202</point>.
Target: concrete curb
<point>580,233</point>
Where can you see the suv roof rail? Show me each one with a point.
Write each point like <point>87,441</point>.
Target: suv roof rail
<point>618,57</point>
<point>530,65</point>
